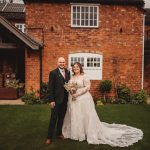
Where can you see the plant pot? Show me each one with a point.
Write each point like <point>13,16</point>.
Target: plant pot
<point>8,93</point>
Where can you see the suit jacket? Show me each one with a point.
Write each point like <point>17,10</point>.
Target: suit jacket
<point>57,92</point>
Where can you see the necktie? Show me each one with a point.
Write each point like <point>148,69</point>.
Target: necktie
<point>63,73</point>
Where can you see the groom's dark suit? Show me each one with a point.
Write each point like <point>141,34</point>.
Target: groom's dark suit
<point>60,96</point>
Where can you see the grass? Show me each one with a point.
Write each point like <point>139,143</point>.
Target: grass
<point>25,127</point>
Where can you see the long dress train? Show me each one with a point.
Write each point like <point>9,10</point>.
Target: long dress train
<point>82,122</point>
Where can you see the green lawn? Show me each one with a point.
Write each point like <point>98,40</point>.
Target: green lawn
<point>25,127</point>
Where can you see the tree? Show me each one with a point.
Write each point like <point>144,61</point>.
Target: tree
<point>105,87</point>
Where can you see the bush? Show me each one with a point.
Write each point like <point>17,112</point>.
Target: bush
<point>105,87</point>
<point>120,101</point>
<point>44,92</point>
<point>140,97</point>
<point>124,94</point>
<point>31,98</point>
<point>99,102</point>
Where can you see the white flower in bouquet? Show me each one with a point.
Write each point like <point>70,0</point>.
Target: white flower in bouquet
<point>71,87</point>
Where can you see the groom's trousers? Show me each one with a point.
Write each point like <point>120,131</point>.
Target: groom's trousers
<point>57,118</point>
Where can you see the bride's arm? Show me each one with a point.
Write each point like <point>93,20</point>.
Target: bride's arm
<point>87,85</point>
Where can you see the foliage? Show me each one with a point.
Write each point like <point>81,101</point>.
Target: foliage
<point>105,87</point>
<point>44,92</point>
<point>15,84</point>
<point>31,98</point>
<point>120,101</point>
<point>99,102</point>
<point>140,97</point>
<point>124,94</point>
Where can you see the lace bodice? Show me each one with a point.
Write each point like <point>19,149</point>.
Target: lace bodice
<point>83,84</point>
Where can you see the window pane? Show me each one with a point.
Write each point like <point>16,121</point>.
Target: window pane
<point>78,22</point>
<point>74,16</point>
<point>78,9</point>
<point>95,10</point>
<point>86,9</point>
<point>95,22</point>
<point>91,22</point>
<point>91,16</point>
<point>95,16</point>
<point>82,16</point>
<point>91,10</point>
<point>78,15</point>
<point>82,22</point>
<point>74,9</point>
<point>98,65</point>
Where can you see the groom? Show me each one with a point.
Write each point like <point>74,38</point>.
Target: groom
<point>58,97</point>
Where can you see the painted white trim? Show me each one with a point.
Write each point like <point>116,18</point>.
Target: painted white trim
<point>94,73</point>
<point>21,24</point>
<point>86,5</point>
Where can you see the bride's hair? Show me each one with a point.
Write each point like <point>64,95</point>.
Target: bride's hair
<point>80,66</point>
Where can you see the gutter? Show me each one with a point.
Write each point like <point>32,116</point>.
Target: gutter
<point>142,79</point>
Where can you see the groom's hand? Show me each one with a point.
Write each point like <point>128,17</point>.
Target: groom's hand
<point>52,104</point>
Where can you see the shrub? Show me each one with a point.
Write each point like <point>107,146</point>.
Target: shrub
<point>44,92</point>
<point>124,94</point>
<point>105,87</point>
<point>140,97</point>
<point>120,101</point>
<point>31,98</point>
<point>99,102</point>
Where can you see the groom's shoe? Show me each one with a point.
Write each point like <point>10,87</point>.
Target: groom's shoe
<point>48,142</point>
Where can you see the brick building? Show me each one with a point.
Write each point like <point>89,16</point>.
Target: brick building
<point>106,36</point>
<point>13,44</point>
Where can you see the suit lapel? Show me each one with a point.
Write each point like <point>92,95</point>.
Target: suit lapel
<point>60,75</point>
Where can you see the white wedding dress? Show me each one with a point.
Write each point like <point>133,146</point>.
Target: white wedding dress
<point>82,122</point>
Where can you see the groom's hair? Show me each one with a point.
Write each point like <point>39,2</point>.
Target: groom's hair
<point>80,66</point>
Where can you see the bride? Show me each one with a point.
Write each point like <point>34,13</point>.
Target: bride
<point>82,122</point>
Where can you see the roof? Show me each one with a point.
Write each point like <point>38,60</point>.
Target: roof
<point>28,41</point>
<point>12,11</point>
<point>12,7</point>
<point>108,2</point>
<point>147,17</point>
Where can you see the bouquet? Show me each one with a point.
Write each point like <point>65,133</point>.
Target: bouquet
<point>71,87</point>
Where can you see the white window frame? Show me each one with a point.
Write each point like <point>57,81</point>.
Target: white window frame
<point>84,6</point>
<point>20,26</point>
<point>94,73</point>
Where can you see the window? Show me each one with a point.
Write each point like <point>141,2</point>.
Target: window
<point>20,26</point>
<point>92,64</point>
<point>84,15</point>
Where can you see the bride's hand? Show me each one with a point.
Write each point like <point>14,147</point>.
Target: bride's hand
<point>74,95</point>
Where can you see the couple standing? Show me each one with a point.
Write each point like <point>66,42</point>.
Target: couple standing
<point>77,119</point>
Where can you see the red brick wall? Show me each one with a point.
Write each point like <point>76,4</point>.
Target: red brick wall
<point>32,70</point>
<point>60,39</point>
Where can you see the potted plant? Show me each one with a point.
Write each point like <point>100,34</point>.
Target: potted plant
<point>14,88</point>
